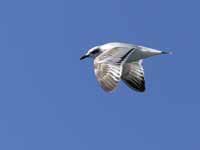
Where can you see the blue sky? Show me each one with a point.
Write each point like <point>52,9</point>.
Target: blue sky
<point>51,100</point>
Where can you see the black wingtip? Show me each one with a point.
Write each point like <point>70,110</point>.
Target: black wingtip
<point>139,87</point>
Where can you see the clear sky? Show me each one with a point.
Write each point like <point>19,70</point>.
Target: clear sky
<point>49,99</point>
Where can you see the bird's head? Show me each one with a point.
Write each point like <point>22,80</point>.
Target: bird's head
<point>93,52</point>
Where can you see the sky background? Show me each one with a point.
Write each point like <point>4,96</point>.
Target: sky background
<point>49,99</point>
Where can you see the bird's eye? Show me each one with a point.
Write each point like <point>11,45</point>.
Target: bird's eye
<point>95,51</point>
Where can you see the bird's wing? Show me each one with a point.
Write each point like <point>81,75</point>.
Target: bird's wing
<point>133,75</point>
<point>108,67</point>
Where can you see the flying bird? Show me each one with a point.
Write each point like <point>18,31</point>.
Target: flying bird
<point>120,61</point>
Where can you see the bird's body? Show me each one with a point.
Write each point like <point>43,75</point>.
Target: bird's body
<point>120,61</point>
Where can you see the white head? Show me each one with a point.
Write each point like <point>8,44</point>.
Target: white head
<point>93,52</point>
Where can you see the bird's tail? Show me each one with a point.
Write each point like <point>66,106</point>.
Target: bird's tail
<point>148,52</point>
<point>164,52</point>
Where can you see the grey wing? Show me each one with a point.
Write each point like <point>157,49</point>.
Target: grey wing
<point>133,75</point>
<point>108,75</point>
<point>108,67</point>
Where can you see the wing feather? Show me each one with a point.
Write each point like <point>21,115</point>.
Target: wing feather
<point>133,75</point>
<point>108,67</point>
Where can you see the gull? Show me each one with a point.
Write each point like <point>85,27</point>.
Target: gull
<point>120,61</point>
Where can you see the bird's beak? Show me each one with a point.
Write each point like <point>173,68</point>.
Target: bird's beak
<point>84,56</point>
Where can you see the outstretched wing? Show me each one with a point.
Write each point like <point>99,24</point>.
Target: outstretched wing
<point>133,75</point>
<point>108,67</point>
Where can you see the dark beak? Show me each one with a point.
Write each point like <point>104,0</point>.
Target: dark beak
<point>84,56</point>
